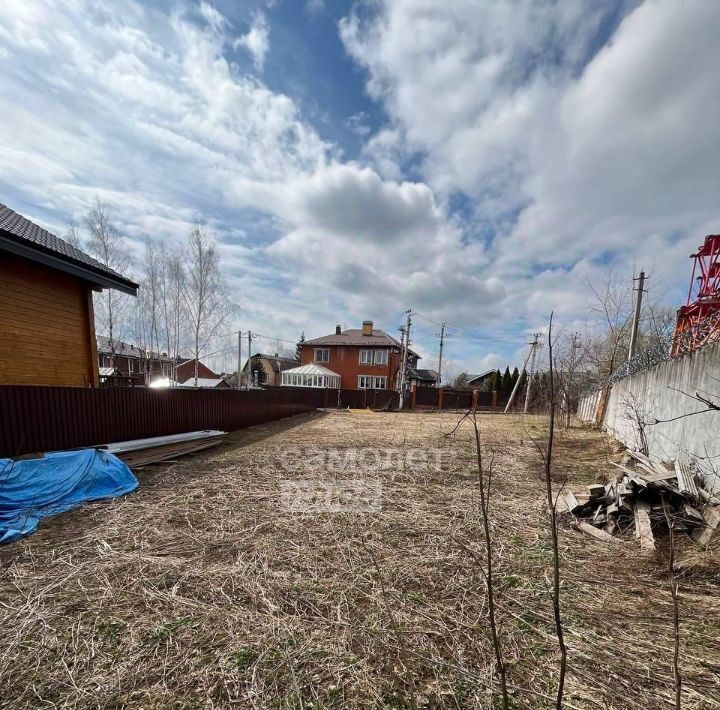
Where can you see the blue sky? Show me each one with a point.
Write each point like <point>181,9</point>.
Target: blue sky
<point>478,162</point>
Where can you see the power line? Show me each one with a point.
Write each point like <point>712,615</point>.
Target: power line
<point>254,335</point>
<point>470,333</point>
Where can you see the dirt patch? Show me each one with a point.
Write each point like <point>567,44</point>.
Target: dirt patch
<point>202,590</point>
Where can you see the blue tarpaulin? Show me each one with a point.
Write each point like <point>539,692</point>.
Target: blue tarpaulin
<point>35,488</point>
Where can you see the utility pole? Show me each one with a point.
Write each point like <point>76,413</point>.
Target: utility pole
<point>249,375</point>
<point>533,351</point>
<point>239,367</point>
<point>442,339</point>
<point>569,377</point>
<point>517,384</point>
<point>403,364</point>
<point>636,317</point>
<point>402,356</point>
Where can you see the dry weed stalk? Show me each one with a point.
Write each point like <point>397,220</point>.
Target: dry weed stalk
<point>677,678</point>
<point>553,528</point>
<point>485,506</point>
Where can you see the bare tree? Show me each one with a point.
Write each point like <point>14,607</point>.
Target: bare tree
<point>547,465</point>
<point>570,353</point>
<point>172,290</point>
<point>109,247</point>
<point>205,293</point>
<point>612,302</point>
<point>72,236</point>
<point>281,349</point>
<point>485,505</point>
<point>146,320</point>
<point>151,282</point>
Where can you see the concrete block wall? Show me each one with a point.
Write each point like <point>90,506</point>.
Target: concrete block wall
<point>661,393</point>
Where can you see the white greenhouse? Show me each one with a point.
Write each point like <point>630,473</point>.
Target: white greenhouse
<point>310,376</point>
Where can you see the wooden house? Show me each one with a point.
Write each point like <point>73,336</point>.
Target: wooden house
<point>47,328</point>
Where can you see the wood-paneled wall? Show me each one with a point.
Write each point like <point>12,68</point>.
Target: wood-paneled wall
<point>47,334</point>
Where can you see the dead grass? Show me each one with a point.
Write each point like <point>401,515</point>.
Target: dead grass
<point>199,591</point>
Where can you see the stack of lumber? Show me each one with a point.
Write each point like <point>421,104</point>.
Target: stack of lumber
<point>141,452</point>
<point>645,496</point>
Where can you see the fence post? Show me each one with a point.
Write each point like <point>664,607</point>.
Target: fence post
<point>494,399</point>
<point>602,405</point>
<point>441,395</point>
<point>414,395</point>
<point>474,400</point>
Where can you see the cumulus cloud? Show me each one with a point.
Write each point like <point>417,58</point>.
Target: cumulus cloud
<point>527,145</point>
<point>573,140</point>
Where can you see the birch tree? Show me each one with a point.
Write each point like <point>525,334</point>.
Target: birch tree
<point>172,290</point>
<point>205,293</point>
<point>106,244</point>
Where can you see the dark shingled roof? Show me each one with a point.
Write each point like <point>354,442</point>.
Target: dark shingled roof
<point>24,233</point>
<point>277,362</point>
<point>355,337</point>
<point>472,378</point>
<point>428,375</point>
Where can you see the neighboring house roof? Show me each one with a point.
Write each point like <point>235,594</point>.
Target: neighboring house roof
<point>278,363</point>
<point>428,375</point>
<point>205,382</point>
<point>127,350</point>
<point>311,370</point>
<point>354,337</point>
<point>25,238</point>
<point>472,378</point>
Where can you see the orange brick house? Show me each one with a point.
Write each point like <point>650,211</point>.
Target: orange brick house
<point>362,358</point>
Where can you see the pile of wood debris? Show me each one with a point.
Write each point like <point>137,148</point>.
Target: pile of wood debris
<point>646,496</point>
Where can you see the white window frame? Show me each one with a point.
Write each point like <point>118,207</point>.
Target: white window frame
<point>321,350</point>
<point>366,357</point>
<point>380,357</point>
<point>372,382</point>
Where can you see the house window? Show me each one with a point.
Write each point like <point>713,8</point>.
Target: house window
<point>366,357</point>
<point>368,382</point>
<point>381,357</point>
<point>131,365</point>
<point>322,355</point>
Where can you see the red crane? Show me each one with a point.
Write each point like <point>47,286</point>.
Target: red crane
<point>698,321</point>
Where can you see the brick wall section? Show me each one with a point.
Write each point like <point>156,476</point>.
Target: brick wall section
<point>345,361</point>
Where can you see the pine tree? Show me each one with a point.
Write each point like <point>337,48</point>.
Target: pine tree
<point>515,376</point>
<point>299,346</point>
<point>507,380</point>
<point>497,382</point>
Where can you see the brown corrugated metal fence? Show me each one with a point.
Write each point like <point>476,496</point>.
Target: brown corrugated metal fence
<point>34,419</point>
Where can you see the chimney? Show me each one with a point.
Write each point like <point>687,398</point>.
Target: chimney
<point>338,330</point>
<point>367,327</point>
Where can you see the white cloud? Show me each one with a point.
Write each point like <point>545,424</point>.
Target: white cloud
<point>213,17</point>
<point>564,159</point>
<point>561,157</point>
<point>257,40</point>
<point>357,123</point>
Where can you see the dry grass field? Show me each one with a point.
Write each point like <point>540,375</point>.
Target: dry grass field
<point>203,590</point>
